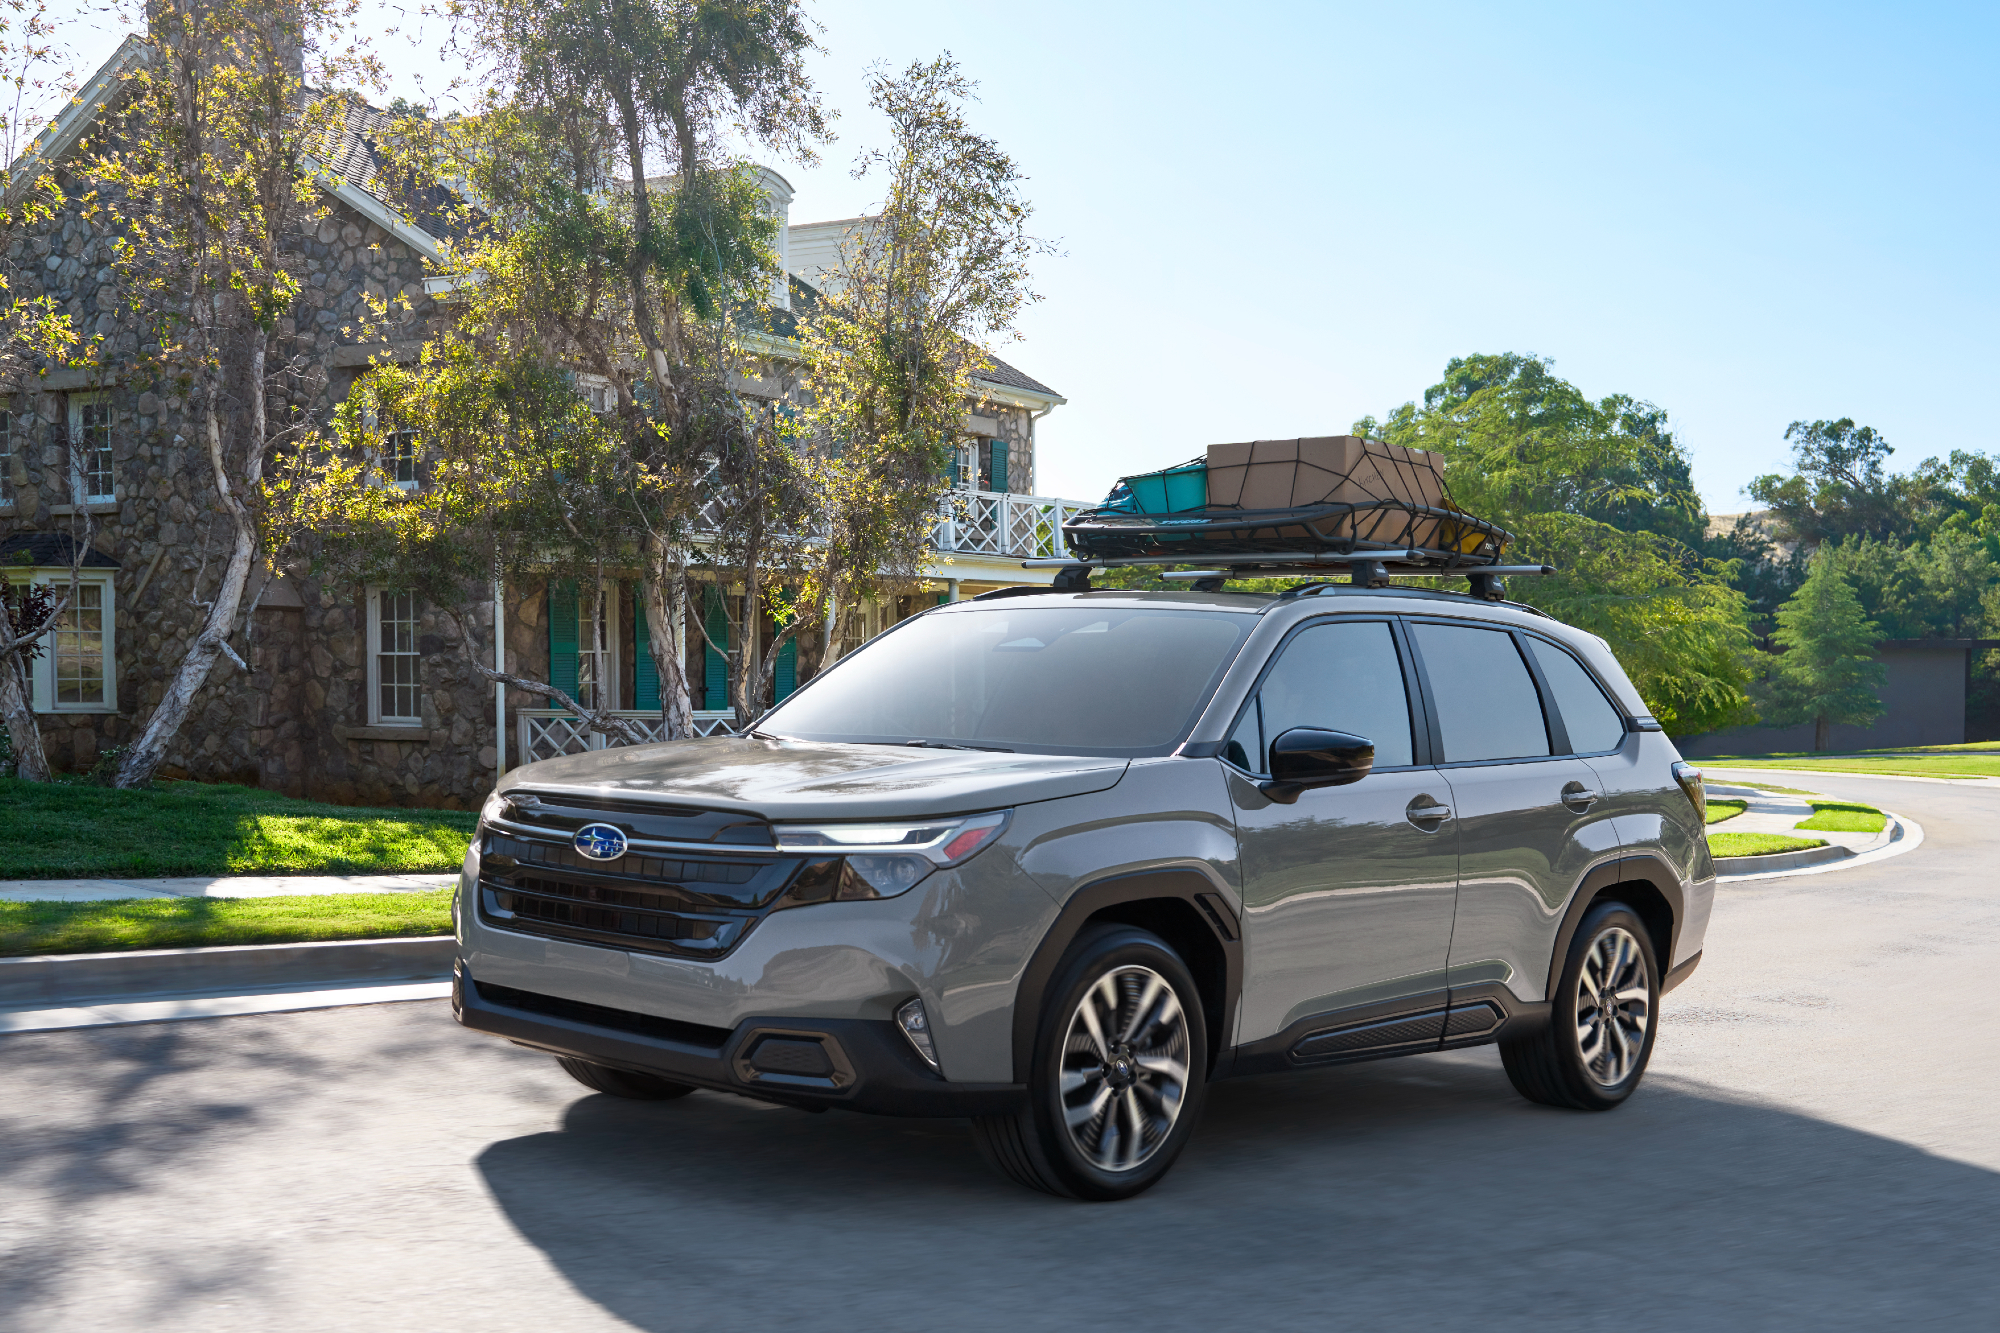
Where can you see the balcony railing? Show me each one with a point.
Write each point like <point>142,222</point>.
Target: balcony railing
<point>995,523</point>
<point>544,733</point>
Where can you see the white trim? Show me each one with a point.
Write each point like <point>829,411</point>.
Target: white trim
<point>372,613</point>
<point>62,133</point>
<point>73,414</point>
<point>42,671</point>
<point>377,212</point>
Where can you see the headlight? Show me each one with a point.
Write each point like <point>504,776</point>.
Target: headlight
<point>491,810</point>
<point>881,860</point>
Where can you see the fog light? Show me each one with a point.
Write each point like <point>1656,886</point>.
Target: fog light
<point>916,1025</point>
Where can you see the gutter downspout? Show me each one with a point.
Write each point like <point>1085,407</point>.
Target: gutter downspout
<point>499,687</point>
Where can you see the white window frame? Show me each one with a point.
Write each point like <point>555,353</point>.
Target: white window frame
<point>600,660</point>
<point>400,448</point>
<point>597,391</point>
<point>42,671</point>
<point>79,474</point>
<point>376,717</point>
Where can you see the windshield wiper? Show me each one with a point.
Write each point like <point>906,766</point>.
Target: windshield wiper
<point>953,745</point>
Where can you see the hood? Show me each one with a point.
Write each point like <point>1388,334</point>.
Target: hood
<point>788,780</point>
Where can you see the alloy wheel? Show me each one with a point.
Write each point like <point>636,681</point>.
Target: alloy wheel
<point>1124,1068</point>
<point>1613,1007</point>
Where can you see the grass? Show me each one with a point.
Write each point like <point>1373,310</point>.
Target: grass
<point>1758,844</point>
<point>1771,787</point>
<point>60,830</point>
<point>182,923</point>
<point>1981,759</point>
<point>1845,817</point>
<point>1719,810</point>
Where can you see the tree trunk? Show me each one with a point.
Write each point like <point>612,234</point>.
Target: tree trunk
<point>150,750</point>
<point>1821,732</point>
<point>30,763</point>
<point>665,587</point>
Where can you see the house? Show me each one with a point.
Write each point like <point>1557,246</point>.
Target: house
<point>358,694</point>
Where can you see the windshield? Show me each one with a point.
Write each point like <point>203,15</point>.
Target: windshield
<point>1054,680</point>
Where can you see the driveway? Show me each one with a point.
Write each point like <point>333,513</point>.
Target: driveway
<point>1816,1147</point>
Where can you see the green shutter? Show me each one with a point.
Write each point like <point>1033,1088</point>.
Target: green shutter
<point>562,635</point>
<point>786,678</point>
<point>998,453</point>
<point>714,666</point>
<point>645,671</point>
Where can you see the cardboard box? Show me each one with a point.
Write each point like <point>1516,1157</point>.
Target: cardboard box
<point>1332,469</point>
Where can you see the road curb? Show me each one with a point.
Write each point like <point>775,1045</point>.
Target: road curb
<point>1806,856</point>
<point>54,981</point>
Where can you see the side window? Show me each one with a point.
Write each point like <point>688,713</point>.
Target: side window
<point>1594,725</point>
<point>1487,704</point>
<point>1343,677</point>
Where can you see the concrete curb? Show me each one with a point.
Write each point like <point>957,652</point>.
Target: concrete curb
<point>55,981</point>
<point>1807,856</point>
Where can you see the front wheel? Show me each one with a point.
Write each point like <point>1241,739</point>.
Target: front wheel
<point>1602,1020</point>
<point>1117,1079</point>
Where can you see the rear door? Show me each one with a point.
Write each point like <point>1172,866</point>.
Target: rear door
<point>1348,892</point>
<point>1529,822</point>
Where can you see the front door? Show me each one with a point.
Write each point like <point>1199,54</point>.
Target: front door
<point>1531,815</point>
<point>1348,892</point>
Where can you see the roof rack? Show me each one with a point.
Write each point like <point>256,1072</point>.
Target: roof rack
<point>1367,569</point>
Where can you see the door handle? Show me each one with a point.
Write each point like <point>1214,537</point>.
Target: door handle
<point>1426,810</point>
<point>1579,797</point>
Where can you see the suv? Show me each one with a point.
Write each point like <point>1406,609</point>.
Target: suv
<point>1057,861</point>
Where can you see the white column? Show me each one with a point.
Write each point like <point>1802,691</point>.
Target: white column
<point>499,688</point>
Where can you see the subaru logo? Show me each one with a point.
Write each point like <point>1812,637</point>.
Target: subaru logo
<point>600,842</point>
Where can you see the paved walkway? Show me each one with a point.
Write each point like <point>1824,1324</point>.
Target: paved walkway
<point>1771,812</point>
<point>227,886</point>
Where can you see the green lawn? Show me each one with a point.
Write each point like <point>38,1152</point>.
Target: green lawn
<point>1770,787</point>
<point>1725,807</point>
<point>1758,844</point>
<point>1845,817</point>
<point>61,830</point>
<point>1978,760</point>
<point>182,923</point>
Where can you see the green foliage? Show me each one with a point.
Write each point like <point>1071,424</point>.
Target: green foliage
<point>1839,487</point>
<point>1844,817</point>
<point>1758,844</point>
<point>32,928</point>
<point>1934,589</point>
<point>74,830</point>
<point>1601,490</point>
<point>1827,672</point>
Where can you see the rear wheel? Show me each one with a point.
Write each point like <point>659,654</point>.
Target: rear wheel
<point>1602,1020</point>
<point>622,1083</point>
<point>1116,1083</point>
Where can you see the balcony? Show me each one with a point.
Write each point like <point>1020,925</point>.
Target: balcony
<point>545,733</point>
<point>995,523</point>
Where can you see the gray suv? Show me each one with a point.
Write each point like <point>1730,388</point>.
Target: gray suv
<point>1057,861</point>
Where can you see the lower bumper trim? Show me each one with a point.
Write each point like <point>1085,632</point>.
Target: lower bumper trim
<point>873,1068</point>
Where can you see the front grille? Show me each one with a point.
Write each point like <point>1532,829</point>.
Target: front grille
<point>689,905</point>
<point>603,1016</point>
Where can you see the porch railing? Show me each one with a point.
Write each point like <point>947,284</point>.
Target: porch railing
<point>544,733</point>
<point>996,523</point>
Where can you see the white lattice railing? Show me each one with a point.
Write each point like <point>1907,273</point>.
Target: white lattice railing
<point>544,733</point>
<point>995,523</point>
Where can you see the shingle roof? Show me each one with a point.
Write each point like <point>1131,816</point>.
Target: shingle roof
<point>999,372</point>
<point>49,550</point>
<point>352,151</point>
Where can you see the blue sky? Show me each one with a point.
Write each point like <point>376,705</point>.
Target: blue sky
<point>1274,219</point>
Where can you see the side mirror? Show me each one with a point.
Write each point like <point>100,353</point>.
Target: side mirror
<point>1306,757</point>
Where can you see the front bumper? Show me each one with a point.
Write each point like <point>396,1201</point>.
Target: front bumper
<point>815,1063</point>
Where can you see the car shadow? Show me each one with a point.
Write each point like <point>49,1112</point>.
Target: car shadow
<point>1411,1193</point>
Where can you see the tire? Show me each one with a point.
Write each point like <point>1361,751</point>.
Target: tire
<point>1123,988</point>
<point>622,1083</point>
<point>1588,1058</point>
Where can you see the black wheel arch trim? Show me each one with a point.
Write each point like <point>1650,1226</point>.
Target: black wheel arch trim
<point>1644,868</point>
<point>1213,909</point>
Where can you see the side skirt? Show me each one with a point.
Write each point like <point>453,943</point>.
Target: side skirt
<point>1439,1021</point>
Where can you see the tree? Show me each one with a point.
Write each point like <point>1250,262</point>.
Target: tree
<point>892,346</point>
<point>201,176</point>
<point>1827,672</point>
<point>580,259</point>
<point>1840,487</point>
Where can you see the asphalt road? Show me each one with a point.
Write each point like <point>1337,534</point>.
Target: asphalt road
<point>1816,1147</point>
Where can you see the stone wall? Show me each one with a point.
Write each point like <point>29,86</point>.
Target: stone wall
<point>296,722</point>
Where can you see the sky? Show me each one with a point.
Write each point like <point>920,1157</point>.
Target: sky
<point>1271,220</point>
